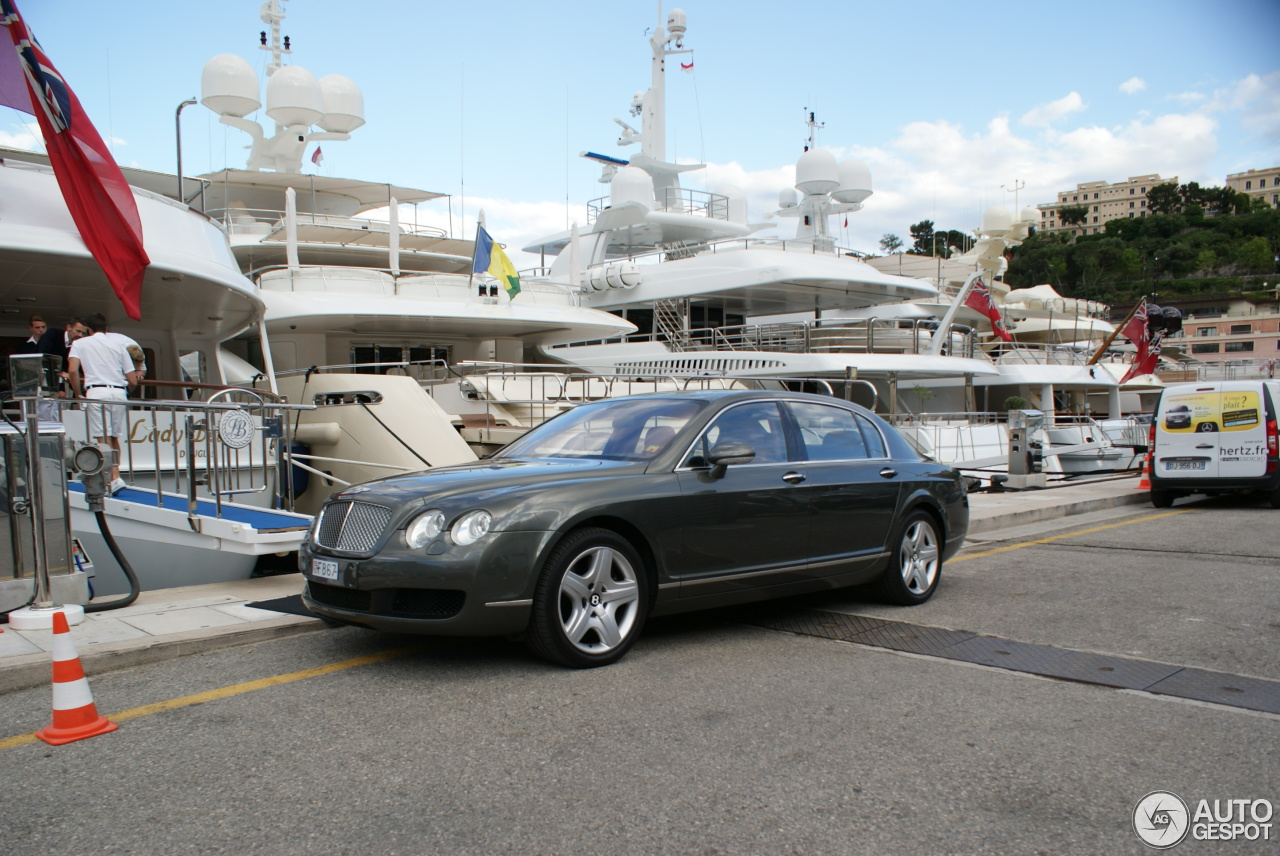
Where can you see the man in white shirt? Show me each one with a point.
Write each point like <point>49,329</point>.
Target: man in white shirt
<point>108,372</point>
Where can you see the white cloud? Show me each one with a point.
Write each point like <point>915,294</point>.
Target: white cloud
<point>26,139</point>
<point>1133,86</point>
<point>1047,114</point>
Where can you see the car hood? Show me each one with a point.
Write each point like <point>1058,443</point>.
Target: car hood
<point>485,477</point>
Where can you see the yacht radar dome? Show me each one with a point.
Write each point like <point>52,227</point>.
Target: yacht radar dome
<point>736,200</point>
<point>343,104</point>
<point>787,198</point>
<point>631,184</point>
<point>855,181</point>
<point>229,86</point>
<point>996,221</point>
<point>817,172</point>
<point>676,25</point>
<point>294,97</point>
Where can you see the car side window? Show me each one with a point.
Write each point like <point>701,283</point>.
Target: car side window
<point>872,437</point>
<point>835,434</point>
<point>757,424</point>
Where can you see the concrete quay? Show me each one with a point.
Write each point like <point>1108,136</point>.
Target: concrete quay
<point>169,623</point>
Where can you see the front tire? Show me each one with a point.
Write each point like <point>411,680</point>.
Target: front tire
<point>590,602</point>
<point>913,573</point>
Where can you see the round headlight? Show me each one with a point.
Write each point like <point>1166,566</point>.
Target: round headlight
<point>471,527</point>
<point>424,528</point>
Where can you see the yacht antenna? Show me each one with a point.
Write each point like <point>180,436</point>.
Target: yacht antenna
<point>272,15</point>
<point>814,127</point>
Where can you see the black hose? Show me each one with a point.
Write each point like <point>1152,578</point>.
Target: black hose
<point>134,588</point>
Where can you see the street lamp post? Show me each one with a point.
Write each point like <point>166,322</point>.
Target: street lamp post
<point>177,121</point>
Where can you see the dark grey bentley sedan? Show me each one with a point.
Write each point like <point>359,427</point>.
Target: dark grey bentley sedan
<point>618,510</point>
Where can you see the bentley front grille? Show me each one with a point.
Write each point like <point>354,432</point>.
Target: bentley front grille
<point>355,527</point>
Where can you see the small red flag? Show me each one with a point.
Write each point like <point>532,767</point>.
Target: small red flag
<point>688,67</point>
<point>99,199</point>
<point>980,299</point>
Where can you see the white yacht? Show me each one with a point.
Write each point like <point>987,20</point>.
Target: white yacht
<point>686,267</point>
<point>193,298</point>
<point>378,323</point>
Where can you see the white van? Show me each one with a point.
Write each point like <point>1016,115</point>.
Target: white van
<point>1215,437</point>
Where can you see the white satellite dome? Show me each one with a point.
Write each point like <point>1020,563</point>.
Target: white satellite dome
<point>631,184</point>
<point>343,104</point>
<point>737,200</point>
<point>855,181</point>
<point>788,198</point>
<point>1031,215</point>
<point>817,172</point>
<point>996,221</point>
<point>294,97</point>
<point>676,22</point>
<point>229,86</point>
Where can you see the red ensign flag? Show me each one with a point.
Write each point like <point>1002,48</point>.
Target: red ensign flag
<point>99,199</point>
<point>980,299</point>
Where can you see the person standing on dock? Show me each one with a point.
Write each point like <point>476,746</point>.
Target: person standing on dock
<point>107,371</point>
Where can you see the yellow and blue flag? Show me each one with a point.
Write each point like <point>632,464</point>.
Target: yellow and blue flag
<point>492,260</point>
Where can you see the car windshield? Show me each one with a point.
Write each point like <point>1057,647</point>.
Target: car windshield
<point>623,429</point>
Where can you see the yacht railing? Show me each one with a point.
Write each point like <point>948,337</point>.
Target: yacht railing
<point>233,445</point>
<point>263,221</point>
<point>1229,370</point>
<point>862,336</point>
<point>382,282</point>
<point>674,200</point>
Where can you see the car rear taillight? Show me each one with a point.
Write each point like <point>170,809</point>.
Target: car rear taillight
<point>1273,446</point>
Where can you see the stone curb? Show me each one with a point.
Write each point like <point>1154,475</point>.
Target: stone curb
<point>33,670</point>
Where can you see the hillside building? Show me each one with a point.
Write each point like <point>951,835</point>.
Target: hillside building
<point>1105,202</point>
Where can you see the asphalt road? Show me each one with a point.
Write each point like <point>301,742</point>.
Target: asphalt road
<point>713,736</point>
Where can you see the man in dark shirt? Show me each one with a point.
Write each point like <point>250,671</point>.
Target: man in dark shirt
<point>58,343</point>
<point>37,327</point>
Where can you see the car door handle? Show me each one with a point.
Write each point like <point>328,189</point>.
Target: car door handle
<point>888,472</point>
<point>793,477</point>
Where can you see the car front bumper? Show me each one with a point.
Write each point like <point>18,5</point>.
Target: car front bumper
<point>485,589</point>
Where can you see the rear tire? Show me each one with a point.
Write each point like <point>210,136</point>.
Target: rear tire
<point>1275,498</point>
<point>916,566</point>
<point>1162,498</point>
<point>590,602</point>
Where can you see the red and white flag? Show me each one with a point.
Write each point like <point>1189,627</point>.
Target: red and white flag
<point>688,68</point>
<point>317,157</point>
<point>99,199</point>
<point>980,299</point>
<point>1139,335</point>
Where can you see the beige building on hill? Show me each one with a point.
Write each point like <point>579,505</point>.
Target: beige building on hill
<point>1261,184</point>
<point>1105,202</point>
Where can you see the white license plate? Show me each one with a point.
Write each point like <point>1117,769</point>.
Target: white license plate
<point>1184,465</point>
<point>324,569</point>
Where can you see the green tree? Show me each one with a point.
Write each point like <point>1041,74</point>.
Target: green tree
<point>922,238</point>
<point>1206,260</point>
<point>1254,255</point>
<point>1164,199</point>
<point>890,243</point>
<point>1073,215</point>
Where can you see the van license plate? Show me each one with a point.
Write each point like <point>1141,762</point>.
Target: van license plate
<point>1184,465</point>
<point>324,569</point>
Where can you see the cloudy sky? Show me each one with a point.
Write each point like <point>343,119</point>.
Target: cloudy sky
<point>953,106</point>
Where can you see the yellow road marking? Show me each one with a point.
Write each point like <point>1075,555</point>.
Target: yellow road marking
<point>234,690</point>
<point>1052,538</point>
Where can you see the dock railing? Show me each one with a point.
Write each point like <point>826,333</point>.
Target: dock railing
<point>232,447</point>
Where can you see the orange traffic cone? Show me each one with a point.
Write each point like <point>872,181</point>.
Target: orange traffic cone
<point>74,715</point>
<point>1144,483</point>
